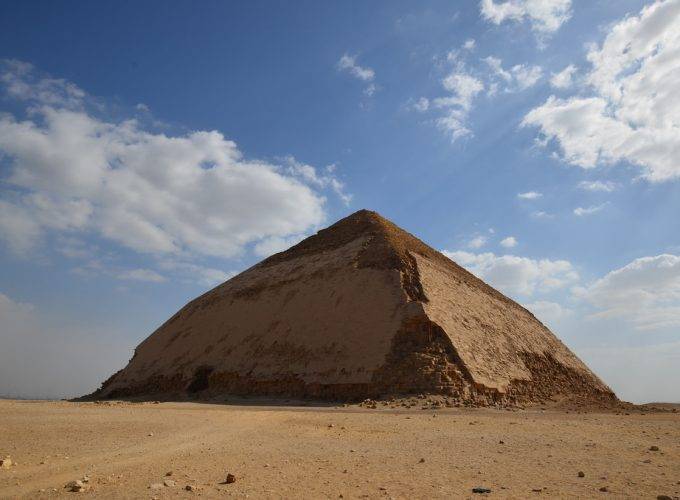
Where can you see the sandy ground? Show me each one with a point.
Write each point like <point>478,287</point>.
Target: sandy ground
<point>306,452</point>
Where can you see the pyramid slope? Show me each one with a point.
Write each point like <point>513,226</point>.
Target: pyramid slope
<point>360,309</point>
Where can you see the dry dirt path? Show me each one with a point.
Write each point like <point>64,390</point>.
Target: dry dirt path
<point>305,452</point>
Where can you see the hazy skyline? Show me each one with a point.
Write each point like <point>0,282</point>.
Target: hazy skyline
<point>148,153</point>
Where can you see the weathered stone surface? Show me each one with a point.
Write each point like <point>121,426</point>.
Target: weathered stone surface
<point>359,310</point>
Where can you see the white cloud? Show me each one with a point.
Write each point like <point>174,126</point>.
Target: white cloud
<point>273,245</point>
<point>142,275</point>
<point>455,54</point>
<point>646,292</point>
<point>526,76</point>
<point>71,172</point>
<point>582,211</point>
<point>477,242</point>
<point>463,88</point>
<point>509,242</point>
<point>517,78</point>
<point>349,63</point>
<point>324,180</point>
<point>550,313</point>
<point>469,44</point>
<point>529,195</point>
<point>517,275</point>
<point>545,16</point>
<point>633,114</point>
<point>540,214</point>
<point>605,186</point>
<point>563,79</point>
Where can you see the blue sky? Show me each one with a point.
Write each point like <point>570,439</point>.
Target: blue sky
<point>150,151</point>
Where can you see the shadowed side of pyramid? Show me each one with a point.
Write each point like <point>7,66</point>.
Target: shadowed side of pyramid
<point>361,309</point>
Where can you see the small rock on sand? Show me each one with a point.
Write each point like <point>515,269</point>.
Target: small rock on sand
<point>76,486</point>
<point>604,489</point>
<point>581,474</point>
<point>653,448</point>
<point>230,479</point>
<point>479,489</point>
<point>169,483</point>
<point>5,463</point>
<point>190,487</point>
<point>663,497</point>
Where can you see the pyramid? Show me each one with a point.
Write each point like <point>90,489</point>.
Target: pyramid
<point>361,309</point>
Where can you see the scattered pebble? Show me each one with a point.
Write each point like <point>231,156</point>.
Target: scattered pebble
<point>581,474</point>
<point>654,448</point>
<point>479,489</point>
<point>190,487</point>
<point>5,463</point>
<point>604,489</point>
<point>422,461</point>
<point>169,473</point>
<point>663,497</point>
<point>169,483</point>
<point>230,479</point>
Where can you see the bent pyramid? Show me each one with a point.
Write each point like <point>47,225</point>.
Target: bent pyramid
<point>360,309</point>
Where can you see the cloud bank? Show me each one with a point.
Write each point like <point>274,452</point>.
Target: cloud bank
<point>630,112</point>
<point>73,172</point>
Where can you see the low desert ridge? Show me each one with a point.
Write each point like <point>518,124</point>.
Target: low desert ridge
<point>157,450</point>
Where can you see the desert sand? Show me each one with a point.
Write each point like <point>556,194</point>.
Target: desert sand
<point>127,449</point>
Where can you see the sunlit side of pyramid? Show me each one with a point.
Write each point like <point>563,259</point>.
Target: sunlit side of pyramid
<point>361,309</point>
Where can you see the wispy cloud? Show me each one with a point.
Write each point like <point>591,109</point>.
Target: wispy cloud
<point>606,186</point>
<point>529,195</point>
<point>519,77</point>
<point>583,211</point>
<point>348,63</point>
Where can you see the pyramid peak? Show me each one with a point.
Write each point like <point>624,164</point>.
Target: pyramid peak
<point>362,223</point>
